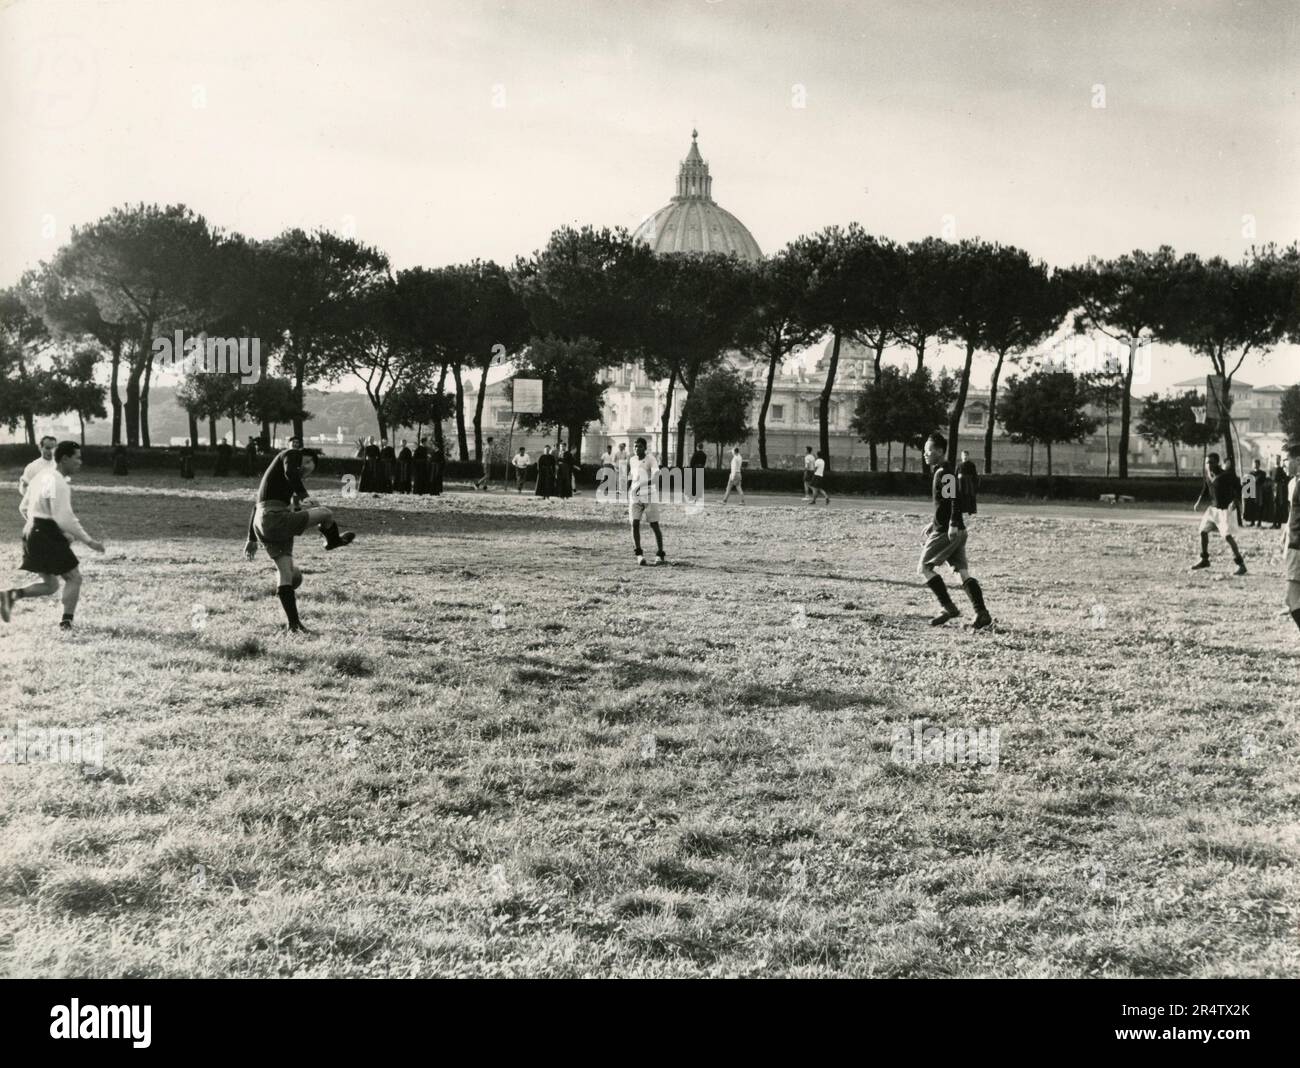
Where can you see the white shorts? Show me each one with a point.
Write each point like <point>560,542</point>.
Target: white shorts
<point>733,482</point>
<point>647,510</point>
<point>1293,565</point>
<point>1223,520</point>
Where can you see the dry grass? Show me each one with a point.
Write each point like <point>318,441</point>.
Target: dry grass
<point>420,791</point>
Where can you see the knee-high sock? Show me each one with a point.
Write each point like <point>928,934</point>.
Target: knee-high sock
<point>936,584</point>
<point>636,535</point>
<point>290,604</point>
<point>1232,544</point>
<point>1205,545</point>
<point>659,536</point>
<point>975,594</point>
<point>331,532</point>
<point>1295,614</point>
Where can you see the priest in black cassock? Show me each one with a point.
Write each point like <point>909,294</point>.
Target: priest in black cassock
<point>387,467</point>
<point>546,474</point>
<point>420,468</point>
<point>564,473</point>
<point>1281,503</point>
<point>1253,494</point>
<point>404,468</point>
<point>437,461</point>
<point>370,480</point>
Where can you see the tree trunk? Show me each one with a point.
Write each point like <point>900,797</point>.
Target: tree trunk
<point>1049,459</point>
<point>920,355</point>
<point>681,439</point>
<point>144,404</point>
<point>212,431</point>
<point>113,396</point>
<point>773,358</point>
<point>954,420</point>
<point>993,408</point>
<point>29,426</point>
<point>439,393</point>
<point>1031,459</point>
<point>904,457</point>
<point>234,432</point>
<point>462,441</point>
<point>1107,410</point>
<point>194,428</point>
<point>1125,407</point>
<point>1173,446</point>
<point>266,434</point>
<point>299,369</point>
<point>666,418</point>
<point>81,421</point>
<point>871,446</point>
<point>824,412</point>
<point>478,411</point>
<point>132,407</point>
<point>889,456</point>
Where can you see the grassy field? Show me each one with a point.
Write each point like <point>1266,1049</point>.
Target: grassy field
<point>512,753</point>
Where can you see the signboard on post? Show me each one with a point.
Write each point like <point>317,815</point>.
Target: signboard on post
<point>527,401</point>
<point>528,396</point>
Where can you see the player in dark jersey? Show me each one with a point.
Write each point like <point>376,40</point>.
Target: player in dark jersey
<point>945,539</point>
<point>1223,490</point>
<point>284,510</point>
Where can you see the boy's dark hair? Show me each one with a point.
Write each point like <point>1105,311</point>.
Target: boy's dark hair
<point>1213,458</point>
<point>309,454</point>
<point>65,449</point>
<point>1293,448</point>
<point>938,439</point>
<point>640,441</point>
<point>48,437</point>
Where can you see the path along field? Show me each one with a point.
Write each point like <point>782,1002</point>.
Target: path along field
<point>678,771</point>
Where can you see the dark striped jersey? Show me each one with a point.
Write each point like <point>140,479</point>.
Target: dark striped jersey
<point>947,503</point>
<point>282,480</point>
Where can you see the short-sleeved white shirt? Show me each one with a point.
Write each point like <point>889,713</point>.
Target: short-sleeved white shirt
<point>737,464</point>
<point>819,468</point>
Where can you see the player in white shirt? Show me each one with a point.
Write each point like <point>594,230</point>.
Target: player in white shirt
<point>50,526</point>
<point>643,500</point>
<point>521,461</point>
<point>809,464</point>
<point>44,462</point>
<point>819,479</point>
<point>620,465</point>
<point>733,480</point>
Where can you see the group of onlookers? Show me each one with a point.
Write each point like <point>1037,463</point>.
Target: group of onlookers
<point>404,470</point>
<point>1264,495</point>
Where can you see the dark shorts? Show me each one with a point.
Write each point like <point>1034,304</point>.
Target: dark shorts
<point>276,530</point>
<point>816,481</point>
<point>941,549</point>
<point>46,550</point>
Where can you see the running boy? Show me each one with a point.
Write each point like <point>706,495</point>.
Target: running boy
<point>49,528</point>
<point>945,539</point>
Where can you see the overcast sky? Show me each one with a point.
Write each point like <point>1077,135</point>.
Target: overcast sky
<point>441,131</point>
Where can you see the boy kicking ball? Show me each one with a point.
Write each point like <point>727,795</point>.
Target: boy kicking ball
<point>945,540</point>
<point>642,503</point>
<point>275,523</point>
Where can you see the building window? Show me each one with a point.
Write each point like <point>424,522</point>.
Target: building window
<point>975,417</point>
<point>647,416</point>
<point>778,413</point>
<point>503,416</point>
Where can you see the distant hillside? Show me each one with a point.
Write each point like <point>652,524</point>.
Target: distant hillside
<point>167,419</point>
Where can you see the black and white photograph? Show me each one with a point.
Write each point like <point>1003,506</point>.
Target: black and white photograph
<point>613,489</point>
